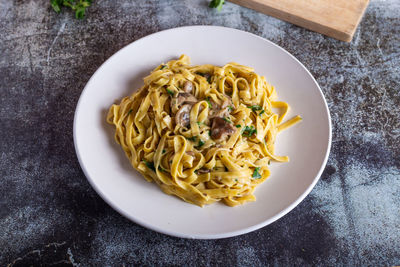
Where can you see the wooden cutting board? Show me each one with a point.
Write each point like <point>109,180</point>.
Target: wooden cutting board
<point>335,18</point>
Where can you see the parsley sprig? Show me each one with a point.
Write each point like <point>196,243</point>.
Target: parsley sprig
<point>79,6</point>
<point>217,4</point>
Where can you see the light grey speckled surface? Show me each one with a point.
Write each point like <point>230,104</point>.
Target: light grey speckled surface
<point>49,214</point>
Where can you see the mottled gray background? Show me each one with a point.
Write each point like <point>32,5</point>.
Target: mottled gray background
<point>49,214</point>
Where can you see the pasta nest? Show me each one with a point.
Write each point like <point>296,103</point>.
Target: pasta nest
<point>203,133</point>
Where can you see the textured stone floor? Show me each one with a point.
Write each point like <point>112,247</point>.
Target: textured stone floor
<point>49,214</point>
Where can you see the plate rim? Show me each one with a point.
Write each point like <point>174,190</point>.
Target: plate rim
<point>202,236</point>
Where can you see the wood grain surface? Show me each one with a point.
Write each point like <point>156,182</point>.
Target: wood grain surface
<point>335,18</point>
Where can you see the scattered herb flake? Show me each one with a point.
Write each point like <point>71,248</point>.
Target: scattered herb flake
<point>256,174</point>
<point>163,67</point>
<point>248,131</point>
<point>209,102</point>
<point>255,108</point>
<point>130,111</point>
<point>226,119</point>
<point>163,151</point>
<point>238,126</point>
<point>262,112</point>
<point>149,165</point>
<point>201,143</point>
<point>230,108</point>
<point>170,92</point>
<point>193,138</point>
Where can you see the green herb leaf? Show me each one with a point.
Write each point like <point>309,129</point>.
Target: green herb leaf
<point>56,5</point>
<point>193,138</point>
<point>163,151</point>
<point>209,79</point>
<point>199,123</point>
<point>163,67</point>
<point>80,13</point>
<point>129,112</point>
<point>226,119</point>
<point>79,6</point>
<point>209,132</point>
<point>209,102</point>
<point>170,92</point>
<point>256,174</point>
<point>238,126</point>
<point>201,143</point>
<point>149,165</point>
<point>161,169</point>
<point>255,108</point>
<point>217,4</point>
<point>249,131</point>
<point>230,108</point>
<point>262,111</point>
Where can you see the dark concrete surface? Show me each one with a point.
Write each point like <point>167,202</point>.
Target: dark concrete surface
<point>50,215</point>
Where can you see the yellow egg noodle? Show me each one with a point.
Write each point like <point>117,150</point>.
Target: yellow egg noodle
<point>203,133</point>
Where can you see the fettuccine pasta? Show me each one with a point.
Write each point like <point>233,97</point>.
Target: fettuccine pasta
<point>202,133</point>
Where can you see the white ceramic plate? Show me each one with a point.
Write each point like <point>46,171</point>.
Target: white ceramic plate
<point>109,172</point>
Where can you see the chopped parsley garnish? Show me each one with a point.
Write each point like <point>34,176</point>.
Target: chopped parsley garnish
<point>238,126</point>
<point>161,169</point>
<point>170,92</point>
<point>193,138</point>
<point>230,108</point>
<point>255,108</point>
<point>79,6</point>
<point>163,151</point>
<point>209,79</point>
<point>130,111</point>
<point>209,132</point>
<point>262,111</point>
<point>163,67</point>
<point>256,174</point>
<point>201,143</point>
<point>217,4</point>
<point>226,119</point>
<point>199,123</point>
<point>149,165</point>
<point>248,131</point>
<point>209,102</point>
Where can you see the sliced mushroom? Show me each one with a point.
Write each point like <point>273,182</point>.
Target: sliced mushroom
<point>188,87</point>
<point>221,128</point>
<point>186,98</point>
<point>203,171</point>
<point>182,117</point>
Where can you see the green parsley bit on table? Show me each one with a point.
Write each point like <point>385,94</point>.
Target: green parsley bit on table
<point>79,6</point>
